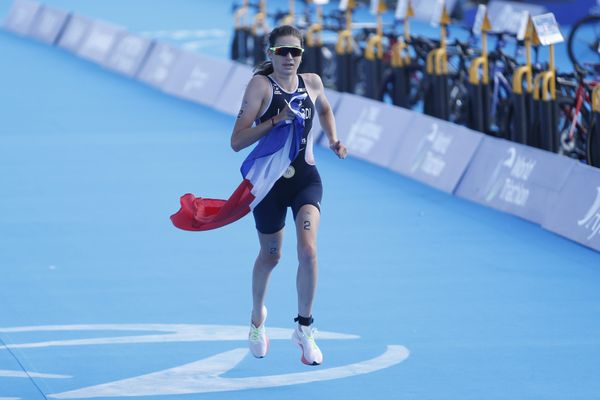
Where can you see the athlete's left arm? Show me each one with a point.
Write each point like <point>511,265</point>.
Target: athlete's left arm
<point>325,113</point>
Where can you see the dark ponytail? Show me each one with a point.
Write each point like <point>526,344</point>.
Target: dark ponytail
<point>266,67</point>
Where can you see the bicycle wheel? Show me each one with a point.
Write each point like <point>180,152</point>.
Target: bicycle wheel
<point>572,144</point>
<point>584,41</point>
<point>593,146</point>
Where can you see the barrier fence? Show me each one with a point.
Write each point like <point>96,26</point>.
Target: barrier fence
<point>558,193</point>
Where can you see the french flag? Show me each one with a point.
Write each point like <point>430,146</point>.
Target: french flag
<point>261,169</point>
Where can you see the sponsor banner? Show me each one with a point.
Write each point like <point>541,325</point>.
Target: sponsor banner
<point>514,178</point>
<point>230,98</point>
<point>371,130</point>
<point>128,54</point>
<point>99,41</point>
<point>159,65</point>
<point>435,152</point>
<point>21,16</point>
<point>48,24</point>
<point>576,212</point>
<point>198,78</point>
<point>74,33</point>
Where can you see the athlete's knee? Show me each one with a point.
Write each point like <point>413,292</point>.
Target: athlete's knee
<point>270,257</point>
<point>307,253</point>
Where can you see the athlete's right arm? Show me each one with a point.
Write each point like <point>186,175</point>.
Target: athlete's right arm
<point>244,133</point>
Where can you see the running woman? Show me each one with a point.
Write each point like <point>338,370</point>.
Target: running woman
<point>265,104</point>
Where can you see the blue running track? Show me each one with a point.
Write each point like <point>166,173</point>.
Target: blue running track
<point>422,295</point>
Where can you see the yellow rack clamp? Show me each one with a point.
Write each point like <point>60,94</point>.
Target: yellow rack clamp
<point>482,61</point>
<point>596,99</point>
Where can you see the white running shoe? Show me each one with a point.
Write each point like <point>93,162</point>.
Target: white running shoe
<point>303,337</point>
<point>258,340</point>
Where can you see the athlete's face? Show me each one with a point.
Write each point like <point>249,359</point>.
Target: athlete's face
<point>286,63</point>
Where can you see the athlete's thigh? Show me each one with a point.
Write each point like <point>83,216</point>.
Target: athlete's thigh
<point>307,225</point>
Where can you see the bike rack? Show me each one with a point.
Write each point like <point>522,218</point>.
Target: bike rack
<point>400,62</point>
<point>545,95</point>
<point>260,40</point>
<point>374,58</point>
<point>479,86</point>
<point>522,129</point>
<point>239,45</point>
<point>437,72</point>
<point>344,49</point>
<point>594,142</point>
<point>312,61</point>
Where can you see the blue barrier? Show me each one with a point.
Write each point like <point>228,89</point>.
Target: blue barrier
<point>435,152</point>
<point>49,24</point>
<point>370,129</point>
<point>575,213</point>
<point>159,65</point>
<point>556,192</point>
<point>21,16</point>
<point>232,93</point>
<point>99,41</point>
<point>128,54</point>
<point>515,178</point>
<point>75,32</point>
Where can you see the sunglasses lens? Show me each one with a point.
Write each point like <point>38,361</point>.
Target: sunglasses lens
<point>284,51</point>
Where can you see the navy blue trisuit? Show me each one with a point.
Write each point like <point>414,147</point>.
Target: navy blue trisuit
<point>301,183</point>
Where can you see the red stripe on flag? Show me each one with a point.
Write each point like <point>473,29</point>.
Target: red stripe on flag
<point>199,214</point>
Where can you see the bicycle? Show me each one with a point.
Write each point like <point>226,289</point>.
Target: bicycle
<point>583,42</point>
<point>576,121</point>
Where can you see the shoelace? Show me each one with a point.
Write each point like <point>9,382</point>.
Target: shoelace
<point>255,334</point>
<point>311,338</point>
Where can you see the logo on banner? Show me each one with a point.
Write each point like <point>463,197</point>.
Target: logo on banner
<point>201,376</point>
<point>196,81</point>
<point>431,151</point>
<point>509,179</point>
<point>365,132</point>
<point>591,220</point>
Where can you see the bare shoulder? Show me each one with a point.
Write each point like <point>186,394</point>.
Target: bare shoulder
<point>313,81</point>
<point>259,82</point>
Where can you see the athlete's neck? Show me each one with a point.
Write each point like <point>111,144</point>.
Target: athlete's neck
<point>288,82</point>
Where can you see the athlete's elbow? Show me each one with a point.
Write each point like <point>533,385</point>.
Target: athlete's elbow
<point>236,145</point>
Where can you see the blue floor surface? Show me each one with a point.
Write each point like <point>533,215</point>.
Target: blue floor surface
<point>101,296</point>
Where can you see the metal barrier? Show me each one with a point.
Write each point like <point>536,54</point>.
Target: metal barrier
<point>593,142</point>
<point>312,60</point>
<point>479,86</point>
<point>401,61</point>
<point>345,59</point>
<point>437,101</point>
<point>374,59</point>
<point>259,34</point>
<point>241,35</point>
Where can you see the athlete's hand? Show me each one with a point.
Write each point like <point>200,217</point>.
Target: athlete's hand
<point>285,114</point>
<point>339,149</point>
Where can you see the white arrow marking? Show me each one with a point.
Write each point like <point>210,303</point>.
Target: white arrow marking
<point>174,333</point>
<point>204,376</point>
<point>4,373</point>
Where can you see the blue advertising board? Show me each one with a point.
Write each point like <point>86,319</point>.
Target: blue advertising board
<point>128,54</point>
<point>21,16</point>
<point>159,65</point>
<point>514,178</point>
<point>48,24</point>
<point>230,97</point>
<point>74,33</point>
<point>99,41</point>
<point>371,130</point>
<point>576,212</point>
<point>198,78</point>
<point>435,152</point>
